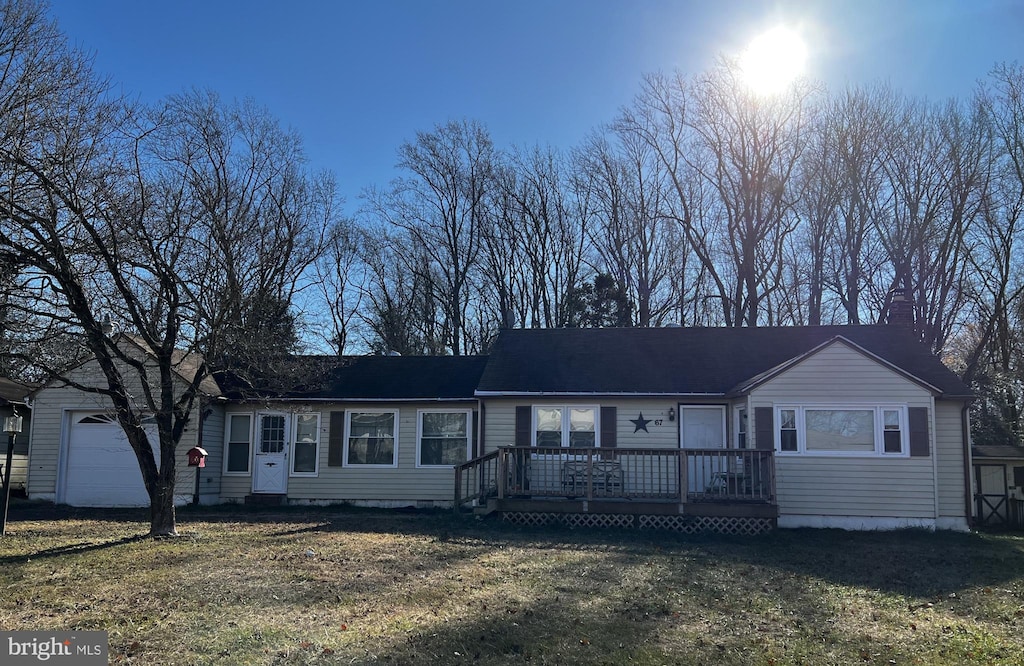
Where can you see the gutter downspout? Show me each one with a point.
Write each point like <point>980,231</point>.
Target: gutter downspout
<point>480,445</point>
<point>965,424</point>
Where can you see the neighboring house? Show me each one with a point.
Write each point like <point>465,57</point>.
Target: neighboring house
<point>998,485</point>
<point>12,400</point>
<point>688,428</point>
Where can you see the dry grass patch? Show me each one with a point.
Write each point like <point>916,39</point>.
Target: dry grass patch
<point>346,586</point>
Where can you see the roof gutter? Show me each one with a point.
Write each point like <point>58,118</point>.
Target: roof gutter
<point>347,399</point>
<point>626,394</point>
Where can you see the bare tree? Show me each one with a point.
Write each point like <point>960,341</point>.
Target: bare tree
<point>232,169</point>
<point>116,211</point>
<point>440,208</point>
<point>993,357</point>
<point>637,245</point>
<point>341,280</point>
<point>729,157</point>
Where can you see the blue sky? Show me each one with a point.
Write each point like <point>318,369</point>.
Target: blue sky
<point>358,79</point>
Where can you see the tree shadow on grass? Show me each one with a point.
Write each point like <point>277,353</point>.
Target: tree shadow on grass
<point>71,549</point>
<point>914,563</point>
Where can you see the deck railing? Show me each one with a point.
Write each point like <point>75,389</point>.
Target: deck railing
<point>679,475</point>
<point>476,479</point>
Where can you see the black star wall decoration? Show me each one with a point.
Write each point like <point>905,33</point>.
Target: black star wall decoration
<point>640,423</point>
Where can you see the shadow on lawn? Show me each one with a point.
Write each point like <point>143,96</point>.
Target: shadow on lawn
<point>71,549</point>
<point>916,563</point>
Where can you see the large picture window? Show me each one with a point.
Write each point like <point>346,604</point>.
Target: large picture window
<point>443,437</point>
<point>239,437</point>
<point>565,426</point>
<point>842,430</point>
<point>371,438</point>
<point>306,447</point>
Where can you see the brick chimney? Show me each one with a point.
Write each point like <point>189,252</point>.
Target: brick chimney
<point>901,309</point>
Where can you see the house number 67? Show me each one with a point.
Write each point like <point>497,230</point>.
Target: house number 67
<point>658,422</point>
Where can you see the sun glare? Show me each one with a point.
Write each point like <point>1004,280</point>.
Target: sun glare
<point>773,60</point>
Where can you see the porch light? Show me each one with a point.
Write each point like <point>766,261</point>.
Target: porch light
<point>12,425</point>
<point>671,413</point>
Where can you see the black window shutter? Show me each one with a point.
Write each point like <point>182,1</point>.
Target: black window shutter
<point>336,440</point>
<point>764,428</point>
<point>608,427</point>
<point>524,421</point>
<point>919,447</point>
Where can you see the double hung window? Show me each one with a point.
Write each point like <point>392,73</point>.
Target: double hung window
<point>862,430</point>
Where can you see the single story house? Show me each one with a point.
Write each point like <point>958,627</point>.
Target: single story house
<point>12,401</point>
<point>739,429</point>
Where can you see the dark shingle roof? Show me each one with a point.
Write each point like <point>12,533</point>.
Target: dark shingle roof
<point>997,451</point>
<point>372,378</point>
<point>12,391</point>
<point>684,361</point>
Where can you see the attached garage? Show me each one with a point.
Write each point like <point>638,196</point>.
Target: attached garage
<point>100,469</point>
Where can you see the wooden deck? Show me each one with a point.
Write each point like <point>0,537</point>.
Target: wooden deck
<point>693,482</point>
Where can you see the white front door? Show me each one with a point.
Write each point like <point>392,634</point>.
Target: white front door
<point>270,473</point>
<point>702,428</point>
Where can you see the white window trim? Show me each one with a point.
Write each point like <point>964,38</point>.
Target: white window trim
<point>227,442</point>
<point>565,422</point>
<point>736,420</point>
<point>878,409</point>
<point>293,445</point>
<point>348,429</point>
<point>419,434</point>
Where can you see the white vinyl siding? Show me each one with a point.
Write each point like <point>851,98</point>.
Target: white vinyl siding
<point>949,453</point>
<point>50,408</point>
<point>838,485</point>
<point>662,433</point>
<point>212,441</point>
<point>819,485</point>
<point>404,484</point>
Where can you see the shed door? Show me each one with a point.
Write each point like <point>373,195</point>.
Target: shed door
<point>990,499</point>
<point>100,468</point>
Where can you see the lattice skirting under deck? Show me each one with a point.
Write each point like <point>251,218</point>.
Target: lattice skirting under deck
<point>679,523</point>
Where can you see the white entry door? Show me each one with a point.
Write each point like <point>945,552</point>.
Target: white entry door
<point>270,470</point>
<point>702,428</point>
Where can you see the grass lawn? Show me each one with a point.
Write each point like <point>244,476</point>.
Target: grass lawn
<point>342,586</point>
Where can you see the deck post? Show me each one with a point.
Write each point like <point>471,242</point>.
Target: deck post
<point>458,488</point>
<point>590,475</point>
<point>502,472</point>
<point>684,482</point>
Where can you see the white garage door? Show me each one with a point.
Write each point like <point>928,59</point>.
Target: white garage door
<point>101,468</point>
